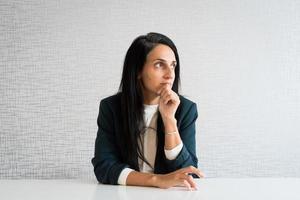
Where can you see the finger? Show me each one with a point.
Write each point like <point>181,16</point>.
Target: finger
<point>192,169</point>
<point>167,98</point>
<point>186,184</point>
<point>191,181</point>
<point>169,94</point>
<point>164,89</point>
<point>164,99</point>
<point>172,95</point>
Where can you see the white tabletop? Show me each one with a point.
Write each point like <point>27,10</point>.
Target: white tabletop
<point>208,189</point>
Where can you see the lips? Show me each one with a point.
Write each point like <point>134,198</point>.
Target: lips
<point>166,83</point>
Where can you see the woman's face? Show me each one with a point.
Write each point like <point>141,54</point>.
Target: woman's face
<point>158,70</point>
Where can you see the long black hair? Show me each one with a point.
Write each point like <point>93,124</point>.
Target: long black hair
<point>132,96</point>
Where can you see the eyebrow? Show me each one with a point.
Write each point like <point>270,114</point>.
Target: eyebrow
<point>160,59</point>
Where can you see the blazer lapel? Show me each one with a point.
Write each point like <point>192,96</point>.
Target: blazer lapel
<point>160,144</point>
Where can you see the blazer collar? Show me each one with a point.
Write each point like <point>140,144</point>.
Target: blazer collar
<point>160,143</point>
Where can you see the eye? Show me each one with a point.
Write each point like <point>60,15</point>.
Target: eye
<point>159,64</point>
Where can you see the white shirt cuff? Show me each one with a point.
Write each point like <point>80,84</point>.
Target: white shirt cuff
<point>123,176</point>
<point>173,153</point>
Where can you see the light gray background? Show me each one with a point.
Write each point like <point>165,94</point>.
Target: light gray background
<point>240,64</point>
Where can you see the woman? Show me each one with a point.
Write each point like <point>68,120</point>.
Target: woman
<point>146,134</point>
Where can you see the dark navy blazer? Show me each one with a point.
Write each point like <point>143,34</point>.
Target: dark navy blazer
<point>107,160</point>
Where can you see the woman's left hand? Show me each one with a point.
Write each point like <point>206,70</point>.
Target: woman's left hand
<point>168,103</point>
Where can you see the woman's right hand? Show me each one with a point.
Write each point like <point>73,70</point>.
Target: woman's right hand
<point>178,177</point>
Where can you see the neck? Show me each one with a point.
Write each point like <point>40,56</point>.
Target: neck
<point>151,99</point>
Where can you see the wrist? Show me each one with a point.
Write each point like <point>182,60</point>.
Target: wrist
<point>169,120</point>
<point>153,181</point>
<point>170,124</point>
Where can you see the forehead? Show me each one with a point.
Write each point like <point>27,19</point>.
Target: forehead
<point>161,51</point>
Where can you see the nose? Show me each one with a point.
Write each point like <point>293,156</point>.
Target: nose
<point>169,74</point>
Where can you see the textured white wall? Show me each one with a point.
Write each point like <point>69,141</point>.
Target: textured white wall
<point>240,64</point>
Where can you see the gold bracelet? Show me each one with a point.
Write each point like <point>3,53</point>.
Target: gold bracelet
<point>171,133</point>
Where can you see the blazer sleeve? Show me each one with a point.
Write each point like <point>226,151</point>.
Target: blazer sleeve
<point>187,155</point>
<point>106,161</point>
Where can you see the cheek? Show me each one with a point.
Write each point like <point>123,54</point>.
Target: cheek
<point>151,81</point>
